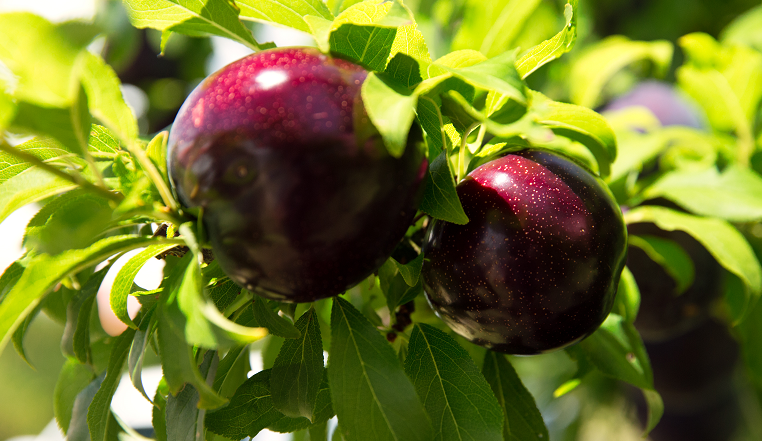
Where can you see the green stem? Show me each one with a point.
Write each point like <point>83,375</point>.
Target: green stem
<point>462,153</point>
<point>153,174</point>
<point>74,179</point>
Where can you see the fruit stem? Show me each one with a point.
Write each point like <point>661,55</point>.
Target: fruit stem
<point>462,166</point>
<point>74,179</point>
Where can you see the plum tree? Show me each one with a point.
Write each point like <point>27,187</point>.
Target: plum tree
<point>537,266</point>
<point>301,199</point>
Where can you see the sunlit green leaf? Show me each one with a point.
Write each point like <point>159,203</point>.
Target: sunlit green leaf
<point>391,108</point>
<point>600,62</point>
<point>30,42</point>
<point>549,50</point>
<point>579,124</point>
<point>288,13</point>
<point>44,271</point>
<point>195,18</point>
<point>120,290</point>
<point>493,27</point>
<point>105,99</point>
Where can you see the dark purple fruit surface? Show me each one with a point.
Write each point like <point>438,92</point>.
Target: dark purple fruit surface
<point>537,266</point>
<point>301,198</point>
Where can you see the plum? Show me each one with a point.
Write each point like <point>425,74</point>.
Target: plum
<point>301,199</point>
<point>669,107</point>
<point>537,266</point>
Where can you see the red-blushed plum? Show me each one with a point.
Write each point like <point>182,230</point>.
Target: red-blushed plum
<point>537,266</point>
<point>301,198</point>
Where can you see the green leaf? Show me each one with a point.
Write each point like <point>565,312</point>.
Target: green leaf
<point>721,239</point>
<point>611,352</point>
<point>321,31</point>
<point>412,270</point>
<point>102,143</point>
<point>498,74</point>
<point>735,194</point>
<point>523,422</point>
<point>182,412</point>
<point>105,99</point>
<point>455,394</point>
<point>99,411</point>
<point>369,388</point>
<point>232,371</point>
<point>178,363</point>
<point>440,199</point>
<point>76,338</point>
<point>627,301</point>
<point>251,410</point>
<point>391,108</point>
<point>31,42</point>
<point>157,154</point>
<point>46,149</point>
<point>44,271</point>
<point>288,13</point>
<point>409,41</point>
<point>746,29</point>
<point>223,293</point>
<point>600,62</point>
<point>194,18</point>
<point>553,48</point>
<point>671,256</point>
<point>158,415</point>
<point>365,32</point>
<point>7,108</point>
<point>73,378</point>
<point>404,70</point>
<point>10,277</point>
<point>493,27</point>
<point>399,292</point>
<point>70,221</point>
<point>579,124</point>
<point>710,89</point>
<point>617,351</point>
<point>123,281</point>
<point>18,336</point>
<point>137,351</point>
<point>194,315</point>
<point>268,318</point>
<point>298,370</point>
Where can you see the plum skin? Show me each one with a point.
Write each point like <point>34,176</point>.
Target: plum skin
<point>301,198</point>
<point>537,266</point>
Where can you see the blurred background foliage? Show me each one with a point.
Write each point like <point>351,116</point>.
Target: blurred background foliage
<point>156,85</point>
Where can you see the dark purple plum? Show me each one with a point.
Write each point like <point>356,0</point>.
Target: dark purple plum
<point>669,107</point>
<point>301,198</point>
<point>537,266</point>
